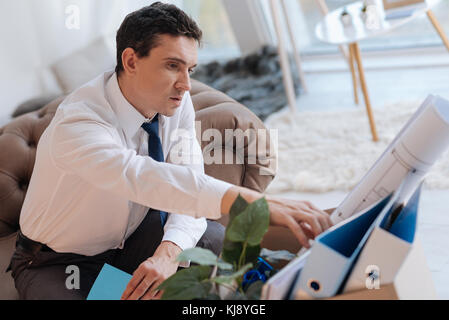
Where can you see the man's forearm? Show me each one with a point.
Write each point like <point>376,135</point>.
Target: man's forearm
<point>232,194</point>
<point>168,250</point>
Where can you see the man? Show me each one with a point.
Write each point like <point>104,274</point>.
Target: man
<point>106,158</point>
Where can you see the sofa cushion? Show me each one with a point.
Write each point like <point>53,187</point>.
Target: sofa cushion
<point>84,65</point>
<point>34,104</point>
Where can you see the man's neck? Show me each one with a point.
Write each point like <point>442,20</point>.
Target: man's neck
<point>127,93</point>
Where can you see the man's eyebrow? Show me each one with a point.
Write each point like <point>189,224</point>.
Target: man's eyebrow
<point>180,61</point>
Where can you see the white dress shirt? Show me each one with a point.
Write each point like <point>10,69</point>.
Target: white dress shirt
<point>93,181</point>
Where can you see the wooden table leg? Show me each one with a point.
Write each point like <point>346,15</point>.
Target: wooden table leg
<point>354,76</point>
<point>356,50</point>
<point>438,28</point>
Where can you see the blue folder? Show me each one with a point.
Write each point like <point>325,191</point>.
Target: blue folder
<point>335,252</point>
<point>404,225</point>
<point>388,245</point>
<point>110,284</point>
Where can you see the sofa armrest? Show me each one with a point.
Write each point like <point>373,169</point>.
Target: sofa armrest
<point>234,132</point>
<point>239,133</point>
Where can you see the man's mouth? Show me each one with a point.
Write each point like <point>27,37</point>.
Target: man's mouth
<point>176,99</point>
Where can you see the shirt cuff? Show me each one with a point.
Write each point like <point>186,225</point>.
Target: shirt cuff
<point>182,239</point>
<point>209,202</point>
<point>179,237</point>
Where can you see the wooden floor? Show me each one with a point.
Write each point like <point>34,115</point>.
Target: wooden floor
<point>333,91</point>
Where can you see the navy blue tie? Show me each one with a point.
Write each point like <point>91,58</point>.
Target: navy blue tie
<point>155,149</point>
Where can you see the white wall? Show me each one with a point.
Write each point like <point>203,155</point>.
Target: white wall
<point>33,35</point>
<point>249,24</point>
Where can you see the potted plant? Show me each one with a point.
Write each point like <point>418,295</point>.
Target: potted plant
<point>241,269</point>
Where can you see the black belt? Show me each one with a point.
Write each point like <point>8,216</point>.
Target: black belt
<point>30,245</point>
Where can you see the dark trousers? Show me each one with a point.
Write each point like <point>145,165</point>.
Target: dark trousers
<point>42,276</point>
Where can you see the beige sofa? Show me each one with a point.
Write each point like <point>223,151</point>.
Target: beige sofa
<point>19,138</point>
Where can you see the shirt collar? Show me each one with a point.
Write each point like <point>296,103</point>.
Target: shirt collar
<point>129,118</point>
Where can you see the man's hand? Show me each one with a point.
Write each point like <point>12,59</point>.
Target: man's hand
<point>304,219</point>
<point>152,272</point>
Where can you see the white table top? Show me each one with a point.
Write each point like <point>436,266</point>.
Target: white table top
<point>332,30</point>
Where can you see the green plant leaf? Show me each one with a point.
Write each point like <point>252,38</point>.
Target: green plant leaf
<point>187,284</point>
<point>203,257</point>
<point>237,207</point>
<point>231,277</point>
<point>224,265</point>
<point>251,225</point>
<point>232,250</point>
<point>276,256</point>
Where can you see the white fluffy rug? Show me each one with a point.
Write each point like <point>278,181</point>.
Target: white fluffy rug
<point>327,151</point>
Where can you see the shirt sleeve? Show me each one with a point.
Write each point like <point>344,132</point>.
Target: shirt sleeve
<point>183,230</point>
<point>84,144</point>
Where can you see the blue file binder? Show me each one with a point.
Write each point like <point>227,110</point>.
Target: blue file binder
<point>404,225</point>
<point>335,251</point>
<point>388,246</point>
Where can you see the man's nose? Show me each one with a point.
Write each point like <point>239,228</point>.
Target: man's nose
<point>183,82</point>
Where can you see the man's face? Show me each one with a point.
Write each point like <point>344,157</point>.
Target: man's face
<point>161,79</point>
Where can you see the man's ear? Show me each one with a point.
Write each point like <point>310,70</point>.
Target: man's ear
<point>129,60</point>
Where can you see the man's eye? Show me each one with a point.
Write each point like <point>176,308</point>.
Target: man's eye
<point>173,66</point>
<point>191,71</point>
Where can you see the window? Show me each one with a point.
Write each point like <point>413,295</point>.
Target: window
<point>218,37</point>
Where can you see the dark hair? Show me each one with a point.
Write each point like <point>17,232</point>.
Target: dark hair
<point>141,29</point>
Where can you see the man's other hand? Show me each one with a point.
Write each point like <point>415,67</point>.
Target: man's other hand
<point>152,272</point>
